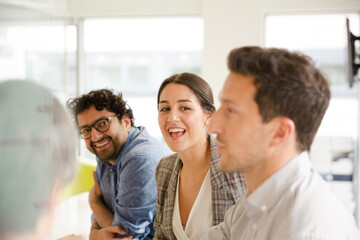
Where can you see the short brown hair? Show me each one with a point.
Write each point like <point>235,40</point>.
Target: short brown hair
<point>287,85</point>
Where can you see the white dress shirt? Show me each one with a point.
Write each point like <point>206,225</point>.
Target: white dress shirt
<point>294,203</point>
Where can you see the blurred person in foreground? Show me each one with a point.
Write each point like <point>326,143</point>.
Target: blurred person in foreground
<point>37,150</point>
<point>272,104</point>
<point>124,191</point>
<point>193,194</point>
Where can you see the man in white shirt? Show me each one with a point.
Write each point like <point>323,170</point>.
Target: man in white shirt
<point>272,104</point>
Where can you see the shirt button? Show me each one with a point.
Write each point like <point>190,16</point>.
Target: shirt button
<point>263,208</point>
<point>254,226</point>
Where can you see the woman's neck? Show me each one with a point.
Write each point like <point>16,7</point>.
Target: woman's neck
<point>197,157</point>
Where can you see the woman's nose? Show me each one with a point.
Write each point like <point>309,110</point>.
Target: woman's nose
<point>173,117</point>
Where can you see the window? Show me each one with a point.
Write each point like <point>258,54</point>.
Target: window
<point>135,55</point>
<point>44,52</point>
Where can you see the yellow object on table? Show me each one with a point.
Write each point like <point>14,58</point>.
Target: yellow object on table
<point>82,180</point>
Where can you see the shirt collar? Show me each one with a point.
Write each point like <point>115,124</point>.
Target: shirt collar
<point>269,192</point>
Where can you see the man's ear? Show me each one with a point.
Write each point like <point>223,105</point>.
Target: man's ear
<point>126,120</point>
<point>284,130</point>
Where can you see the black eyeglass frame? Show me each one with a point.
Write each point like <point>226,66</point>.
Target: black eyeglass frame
<point>94,126</point>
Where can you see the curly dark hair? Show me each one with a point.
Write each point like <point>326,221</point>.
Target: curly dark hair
<point>288,85</point>
<point>101,99</point>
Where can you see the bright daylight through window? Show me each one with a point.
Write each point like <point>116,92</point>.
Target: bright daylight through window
<point>135,55</point>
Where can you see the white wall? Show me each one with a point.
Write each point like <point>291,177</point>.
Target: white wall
<point>227,24</point>
<point>32,9</point>
<point>102,8</point>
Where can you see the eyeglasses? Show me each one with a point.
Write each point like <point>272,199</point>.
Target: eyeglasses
<point>101,125</point>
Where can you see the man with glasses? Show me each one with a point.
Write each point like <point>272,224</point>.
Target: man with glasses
<point>124,191</point>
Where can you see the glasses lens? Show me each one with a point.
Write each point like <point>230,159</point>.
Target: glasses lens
<point>102,125</point>
<point>85,132</point>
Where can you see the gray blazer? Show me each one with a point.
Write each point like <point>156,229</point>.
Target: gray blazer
<point>226,189</point>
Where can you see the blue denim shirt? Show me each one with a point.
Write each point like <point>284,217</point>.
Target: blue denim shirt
<point>129,186</point>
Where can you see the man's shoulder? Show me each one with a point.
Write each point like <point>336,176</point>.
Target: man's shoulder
<point>140,136</point>
<point>314,190</point>
<point>139,157</point>
<point>141,145</point>
<point>140,141</point>
<point>316,209</point>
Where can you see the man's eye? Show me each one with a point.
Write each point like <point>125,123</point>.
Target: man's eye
<point>102,123</point>
<point>185,108</point>
<point>84,130</point>
<point>229,110</point>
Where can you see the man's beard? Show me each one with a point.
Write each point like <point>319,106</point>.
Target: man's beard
<point>109,153</point>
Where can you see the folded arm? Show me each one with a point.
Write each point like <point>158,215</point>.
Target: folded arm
<point>104,217</point>
<point>135,201</point>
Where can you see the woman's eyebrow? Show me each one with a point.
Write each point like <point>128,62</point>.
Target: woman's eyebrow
<point>163,101</point>
<point>179,101</point>
<point>184,100</point>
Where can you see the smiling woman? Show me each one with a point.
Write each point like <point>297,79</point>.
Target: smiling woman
<point>191,190</point>
<point>181,118</point>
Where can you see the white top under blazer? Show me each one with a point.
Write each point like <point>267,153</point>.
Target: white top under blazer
<point>200,218</point>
